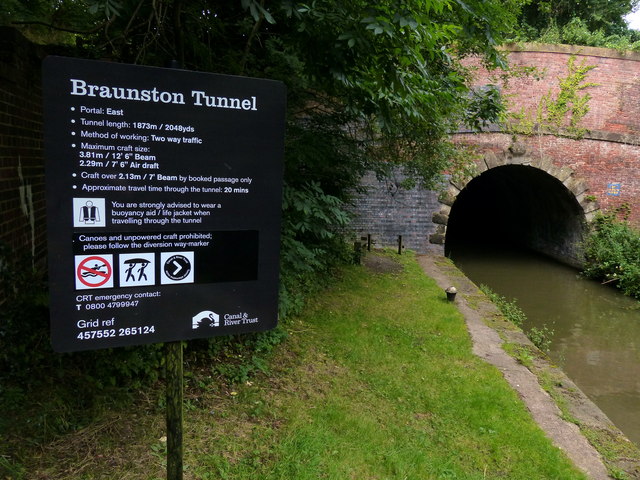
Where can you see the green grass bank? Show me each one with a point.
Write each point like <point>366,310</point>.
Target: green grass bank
<point>376,380</point>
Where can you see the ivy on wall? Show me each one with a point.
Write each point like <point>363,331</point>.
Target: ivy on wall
<point>559,113</point>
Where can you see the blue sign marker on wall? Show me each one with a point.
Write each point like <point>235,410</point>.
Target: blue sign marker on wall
<point>614,189</point>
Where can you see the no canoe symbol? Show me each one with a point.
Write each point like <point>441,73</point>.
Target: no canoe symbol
<point>94,271</point>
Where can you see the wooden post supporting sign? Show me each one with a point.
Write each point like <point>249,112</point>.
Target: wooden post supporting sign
<point>174,395</point>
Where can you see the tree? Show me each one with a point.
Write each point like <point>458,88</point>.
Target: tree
<point>606,16</point>
<point>371,85</point>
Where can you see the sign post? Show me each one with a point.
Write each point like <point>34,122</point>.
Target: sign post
<point>174,395</point>
<point>164,192</point>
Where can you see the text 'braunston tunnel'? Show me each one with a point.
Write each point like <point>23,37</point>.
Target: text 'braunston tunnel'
<point>519,206</point>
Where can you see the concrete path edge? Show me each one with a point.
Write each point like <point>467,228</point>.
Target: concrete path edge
<point>489,331</point>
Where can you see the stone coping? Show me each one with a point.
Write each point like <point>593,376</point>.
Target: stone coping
<point>597,135</point>
<point>608,450</point>
<point>577,50</point>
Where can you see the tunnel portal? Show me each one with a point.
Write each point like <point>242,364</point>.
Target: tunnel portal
<point>518,206</point>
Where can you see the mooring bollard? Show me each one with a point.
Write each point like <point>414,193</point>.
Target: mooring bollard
<point>451,293</point>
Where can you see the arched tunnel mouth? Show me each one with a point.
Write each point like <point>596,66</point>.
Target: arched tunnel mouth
<point>517,207</point>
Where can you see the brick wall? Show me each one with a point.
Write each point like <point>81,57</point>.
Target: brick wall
<point>22,204</point>
<point>606,160</point>
<point>387,211</point>
<point>615,103</point>
<point>608,157</point>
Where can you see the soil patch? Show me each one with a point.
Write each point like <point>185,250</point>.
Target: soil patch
<point>380,264</point>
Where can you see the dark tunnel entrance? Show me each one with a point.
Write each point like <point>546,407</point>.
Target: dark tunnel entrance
<point>517,206</point>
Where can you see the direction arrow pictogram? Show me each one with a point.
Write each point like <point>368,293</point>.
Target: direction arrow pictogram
<point>178,268</point>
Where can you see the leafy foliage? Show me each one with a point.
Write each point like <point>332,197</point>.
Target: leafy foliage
<point>509,309</point>
<point>595,23</point>
<point>486,106</point>
<point>311,242</point>
<point>576,32</point>
<point>612,251</point>
<point>371,86</point>
<point>237,358</point>
<point>604,16</point>
<point>541,337</point>
<point>569,105</point>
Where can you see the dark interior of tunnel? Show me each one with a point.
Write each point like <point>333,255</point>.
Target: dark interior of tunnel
<point>517,206</point>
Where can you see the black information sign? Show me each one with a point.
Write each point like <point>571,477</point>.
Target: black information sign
<point>163,203</point>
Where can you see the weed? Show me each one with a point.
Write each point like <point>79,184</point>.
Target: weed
<point>159,450</point>
<point>541,337</point>
<point>559,112</point>
<point>239,357</point>
<point>9,469</point>
<point>577,32</point>
<point>520,352</point>
<point>509,309</point>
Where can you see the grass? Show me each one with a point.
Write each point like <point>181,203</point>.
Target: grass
<point>375,381</point>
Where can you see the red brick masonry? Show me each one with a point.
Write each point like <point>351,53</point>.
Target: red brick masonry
<point>607,158</point>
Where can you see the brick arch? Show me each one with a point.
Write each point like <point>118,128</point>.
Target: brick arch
<point>607,155</point>
<point>566,178</point>
<point>600,170</point>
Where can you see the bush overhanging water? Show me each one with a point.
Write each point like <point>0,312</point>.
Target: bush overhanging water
<point>612,252</point>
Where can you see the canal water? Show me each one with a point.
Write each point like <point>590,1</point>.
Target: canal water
<point>596,338</point>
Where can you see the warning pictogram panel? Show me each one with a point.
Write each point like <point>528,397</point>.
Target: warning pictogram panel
<point>94,271</point>
<point>137,269</point>
<point>89,212</point>
<point>177,267</point>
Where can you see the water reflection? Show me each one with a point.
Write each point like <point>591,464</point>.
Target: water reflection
<point>597,330</point>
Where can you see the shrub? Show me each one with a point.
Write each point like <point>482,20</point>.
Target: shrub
<point>612,252</point>
<point>577,32</point>
<point>541,337</point>
<point>312,242</point>
<point>24,325</point>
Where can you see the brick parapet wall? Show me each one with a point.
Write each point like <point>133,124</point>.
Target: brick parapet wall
<point>609,152</point>
<point>22,204</point>
<point>386,211</point>
<point>615,103</point>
